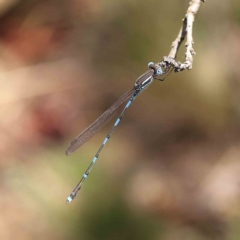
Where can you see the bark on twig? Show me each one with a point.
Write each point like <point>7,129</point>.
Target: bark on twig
<point>185,31</point>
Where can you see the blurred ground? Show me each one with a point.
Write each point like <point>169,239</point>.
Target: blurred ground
<point>171,170</point>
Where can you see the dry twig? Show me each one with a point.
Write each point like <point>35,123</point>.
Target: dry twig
<point>186,30</point>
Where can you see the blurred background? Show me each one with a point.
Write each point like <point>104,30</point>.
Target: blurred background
<point>172,168</point>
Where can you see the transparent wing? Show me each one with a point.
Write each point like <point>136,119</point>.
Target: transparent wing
<point>90,131</point>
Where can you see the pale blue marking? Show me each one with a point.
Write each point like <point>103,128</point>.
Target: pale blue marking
<point>85,175</point>
<point>69,199</point>
<point>128,104</point>
<point>95,159</point>
<point>105,140</point>
<point>159,71</point>
<point>147,80</point>
<point>117,122</point>
<point>150,63</point>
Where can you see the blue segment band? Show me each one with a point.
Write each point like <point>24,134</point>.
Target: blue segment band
<point>105,140</point>
<point>128,104</point>
<point>117,122</point>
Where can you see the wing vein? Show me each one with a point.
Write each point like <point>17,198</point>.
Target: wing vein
<point>90,131</point>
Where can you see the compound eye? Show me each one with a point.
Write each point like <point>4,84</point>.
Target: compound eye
<point>159,71</point>
<point>150,63</point>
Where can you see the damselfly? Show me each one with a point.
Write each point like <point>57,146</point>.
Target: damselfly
<point>141,84</point>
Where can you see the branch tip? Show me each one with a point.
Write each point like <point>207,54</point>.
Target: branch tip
<point>185,31</point>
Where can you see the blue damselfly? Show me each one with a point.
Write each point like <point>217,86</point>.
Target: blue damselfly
<point>141,84</point>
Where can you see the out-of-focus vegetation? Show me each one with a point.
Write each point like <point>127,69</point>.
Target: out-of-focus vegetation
<point>172,168</point>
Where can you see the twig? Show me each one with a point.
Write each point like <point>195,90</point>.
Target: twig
<point>186,30</point>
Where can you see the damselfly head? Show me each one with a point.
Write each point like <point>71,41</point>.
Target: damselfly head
<point>157,68</point>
